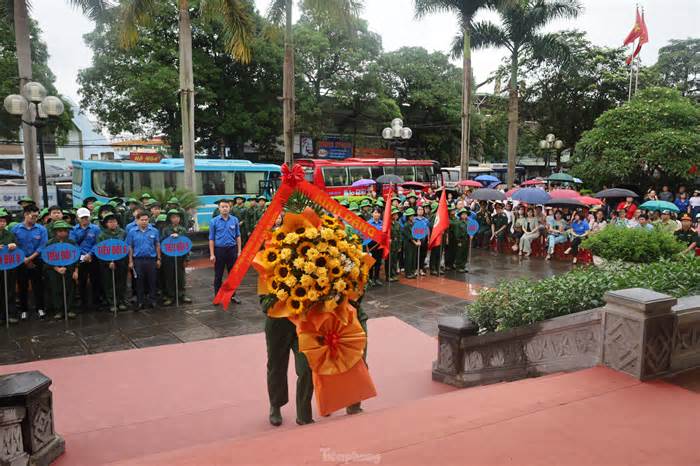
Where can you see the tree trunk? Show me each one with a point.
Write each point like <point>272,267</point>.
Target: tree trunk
<point>24,65</point>
<point>288,89</point>
<point>512,119</point>
<point>466,102</point>
<point>186,93</point>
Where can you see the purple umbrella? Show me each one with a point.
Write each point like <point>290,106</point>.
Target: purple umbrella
<point>363,182</point>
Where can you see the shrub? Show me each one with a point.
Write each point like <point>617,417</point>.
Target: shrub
<point>188,199</point>
<point>633,244</point>
<point>523,302</point>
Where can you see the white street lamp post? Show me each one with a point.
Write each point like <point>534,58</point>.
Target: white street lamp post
<point>397,132</point>
<point>548,143</point>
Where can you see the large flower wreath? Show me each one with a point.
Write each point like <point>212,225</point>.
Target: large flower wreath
<point>311,271</point>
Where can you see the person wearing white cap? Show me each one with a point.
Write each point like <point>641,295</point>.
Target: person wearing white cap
<point>85,236</point>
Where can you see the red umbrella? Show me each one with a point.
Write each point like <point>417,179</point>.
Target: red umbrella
<point>470,183</point>
<point>512,191</point>
<point>564,194</point>
<point>588,200</point>
<point>533,181</point>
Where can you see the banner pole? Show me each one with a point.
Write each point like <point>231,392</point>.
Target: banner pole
<point>177,290</point>
<point>629,94</point>
<point>440,259</point>
<point>469,259</point>
<point>65,301</point>
<point>418,263</point>
<point>114,290</point>
<point>7,302</point>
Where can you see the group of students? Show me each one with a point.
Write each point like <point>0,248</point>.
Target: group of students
<point>142,224</point>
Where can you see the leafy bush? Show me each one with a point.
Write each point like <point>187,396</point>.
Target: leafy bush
<point>633,244</point>
<point>523,302</point>
<point>188,199</point>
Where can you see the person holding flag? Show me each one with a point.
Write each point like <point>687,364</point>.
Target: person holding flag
<point>441,222</point>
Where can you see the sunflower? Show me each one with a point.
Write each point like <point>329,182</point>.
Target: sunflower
<point>344,246</point>
<point>313,295</point>
<point>322,281</point>
<point>304,247</point>
<point>354,273</point>
<point>322,246</point>
<point>321,272</point>
<point>300,293</point>
<point>333,251</point>
<point>295,223</point>
<point>270,257</point>
<point>322,289</point>
<point>282,272</point>
<point>321,261</point>
<point>272,283</point>
<point>335,271</point>
<point>327,221</point>
<point>296,305</point>
<point>278,236</point>
<point>312,253</point>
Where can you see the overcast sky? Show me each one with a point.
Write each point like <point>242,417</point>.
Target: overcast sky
<point>606,22</point>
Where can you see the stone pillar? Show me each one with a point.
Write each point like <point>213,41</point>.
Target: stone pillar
<point>450,361</point>
<point>638,327</point>
<point>28,394</point>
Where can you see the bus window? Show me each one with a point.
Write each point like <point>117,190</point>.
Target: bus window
<point>246,183</point>
<point>213,183</point>
<point>308,174</point>
<point>358,173</point>
<point>108,184</point>
<point>335,176</point>
<point>376,172</point>
<point>423,174</point>
<point>140,180</point>
<point>406,173</point>
<point>173,179</point>
<point>77,176</point>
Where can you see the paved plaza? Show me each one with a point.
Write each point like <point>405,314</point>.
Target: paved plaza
<point>419,303</point>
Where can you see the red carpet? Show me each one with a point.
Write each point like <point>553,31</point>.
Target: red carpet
<point>121,405</point>
<point>592,417</point>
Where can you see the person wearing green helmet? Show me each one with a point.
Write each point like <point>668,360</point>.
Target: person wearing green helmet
<point>155,210</point>
<point>354,207</point>
<point>144,197</point>
<point>410,246</point>
<point>462,241</point>
<point>44,218</point>
<point>344,202</point>
<point>391,269</point>
<point>23,202</point>
<point>120,268</point>
<point>239,211</point>
<point>172,203</point>
<point>366,209</point>
<point>89,202</point>
<point>174,229</point>
<point>412,199</point>
<point>7,242</point>
<point>60,278</point>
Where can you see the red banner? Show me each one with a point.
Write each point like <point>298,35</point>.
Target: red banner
<point>292,180</point>
<point>145,157</point>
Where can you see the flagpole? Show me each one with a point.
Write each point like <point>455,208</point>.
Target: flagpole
<point>629,94</point>
<point>636,79</point>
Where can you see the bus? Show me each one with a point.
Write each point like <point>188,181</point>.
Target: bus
<point>337,176</point>
<point>499,170</point>
<point>214,179</point>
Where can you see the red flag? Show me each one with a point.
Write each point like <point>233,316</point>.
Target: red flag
<point>442,222</point>
<point>636,31</point>
<point>642,34</point>
<point>386,225</point>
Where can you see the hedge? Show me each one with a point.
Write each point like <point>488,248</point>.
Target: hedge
<point>633,244</point>
<point>522,302</point>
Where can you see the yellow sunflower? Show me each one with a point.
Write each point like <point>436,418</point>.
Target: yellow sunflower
<point>322,288</point>
<point>312,253</point>
<point>327,221</point>
<point>322,281</point>
<point>296,305</point>
<point>335,271</point>
<point>341,234</point>
<point>304,247</point>
<point>282,272</point>
<point>313,295</point>
<point>327,234</point>
<point>322,246</point>
<point>321,272</point>
<point>321,261</point>
<point>300,293</point>
<point>277,236</point>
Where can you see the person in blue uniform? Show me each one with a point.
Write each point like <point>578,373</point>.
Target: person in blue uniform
<point>85,234</point>
<point>31,239</point>
<point>224,243</point>
<point>375,250</point>
<point>144,259</point>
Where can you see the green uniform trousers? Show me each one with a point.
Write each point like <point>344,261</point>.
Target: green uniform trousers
<point>54,290</point>
<point>168,273</point>
<point>410,257</point>
<point>120,273</point>
<point>461,254</point>
<point>281,338</point>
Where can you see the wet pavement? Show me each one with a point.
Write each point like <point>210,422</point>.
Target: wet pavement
<point>419,303</point>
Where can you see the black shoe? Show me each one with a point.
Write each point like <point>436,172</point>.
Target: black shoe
<point>152,305</point>
<point>378,283</point>
<point>13,320</point>
<point>303,422</point>
<point>24,315</point>
<point>235,300</point>
<point>354,409</point>
<point>275,416</point>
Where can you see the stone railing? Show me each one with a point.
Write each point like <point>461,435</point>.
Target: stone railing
<point>638,331</point>
<point>27,435</point>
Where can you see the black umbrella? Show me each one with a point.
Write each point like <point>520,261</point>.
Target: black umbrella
<point>485,194</point>
<point>413,185</point>
<point>565,202</point>
<point>449,190</point>
<point>389,179</point>
<point>615,192</point>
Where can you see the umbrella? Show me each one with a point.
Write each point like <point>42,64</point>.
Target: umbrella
<point>532,196</point>
<point>533,182</point>
<point>659,205</point>
<point>413,185</point>
<point>512,191</point>
<point>564,194</point>
<point>363,182</point>
<point>570,203</point>
<point>388,179</point>
<point>9,174</point>
<point>578,180</point>
<point>485,194</point>
<point>470,183</point>
<point>561,177</point>
<point>588,200</point>
<point>615,192</point>
<point>487,178</point>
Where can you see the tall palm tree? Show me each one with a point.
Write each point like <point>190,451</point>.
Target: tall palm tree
<point>18,12</point>
<point>520,33</point>
<point>237,20</point>
<point>465,11</point>
<point>280,13</point>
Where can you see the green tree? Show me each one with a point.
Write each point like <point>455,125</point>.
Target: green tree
<point>653,137</point>
<point>131,90</point>
<point>465,10</point>
<point>236,20</point>
<point>427,88</point>
<point>566,95</point>
<point>521,33</point>
<point>679,66</point>
<point>280,13</point>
